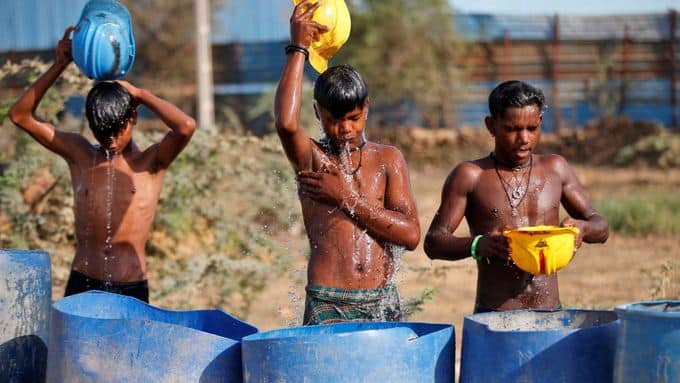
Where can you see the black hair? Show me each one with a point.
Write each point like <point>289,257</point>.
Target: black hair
<point>340,89</point>
<point>108,108</point>
<point>517,94</point>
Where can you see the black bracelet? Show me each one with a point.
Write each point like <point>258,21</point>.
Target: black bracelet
<point>296,48</point>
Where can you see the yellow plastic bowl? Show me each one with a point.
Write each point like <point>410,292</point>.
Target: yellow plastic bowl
<point>335,15</point>
<point>542,249</point>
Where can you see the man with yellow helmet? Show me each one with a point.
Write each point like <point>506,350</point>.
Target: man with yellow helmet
<point>356,198</point>
<point>513,188</point>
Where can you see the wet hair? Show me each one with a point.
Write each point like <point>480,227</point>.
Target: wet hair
<point>340,89</point>
<point>108,108</point>
<point>515,94</point>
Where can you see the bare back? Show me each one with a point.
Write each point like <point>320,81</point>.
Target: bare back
<point>115,204</point>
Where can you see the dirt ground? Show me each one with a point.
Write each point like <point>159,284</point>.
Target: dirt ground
<point>625,269</point>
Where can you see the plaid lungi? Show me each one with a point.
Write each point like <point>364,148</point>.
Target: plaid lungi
<point>331,305</point>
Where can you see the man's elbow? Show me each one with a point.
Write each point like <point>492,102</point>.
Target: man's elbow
<point>16,116</point>
<point>188,127</point>
<point>605,233</point>
<point>285,124</point>
<point>412,240</point>
<point>429,246</point>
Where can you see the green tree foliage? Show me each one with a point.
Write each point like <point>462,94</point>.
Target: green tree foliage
<point>410,55</point>
<point>165,37</point>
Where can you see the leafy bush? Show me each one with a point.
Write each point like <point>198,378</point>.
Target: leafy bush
<point>661,151</point>
<point>649,213</point>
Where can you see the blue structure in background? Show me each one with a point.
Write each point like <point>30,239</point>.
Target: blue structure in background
<point>648,348</point>
<point>103,337</point>
<point>534,346</point>
<point>25,296</point>
<point>36,25</point>
<point>249,36</point>
<point>395,352</point>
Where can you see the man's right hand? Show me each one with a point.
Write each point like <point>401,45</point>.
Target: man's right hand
<point>134,92</point>
<point>494,245</point>
<point>63,55</point>
<point>303,30</point>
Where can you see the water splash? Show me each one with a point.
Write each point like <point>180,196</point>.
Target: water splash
<point>110,182</point>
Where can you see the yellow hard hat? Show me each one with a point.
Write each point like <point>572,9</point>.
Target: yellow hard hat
<point>335,15</point>
<point>542,249</point>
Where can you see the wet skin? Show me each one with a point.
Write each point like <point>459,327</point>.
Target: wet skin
<point>355,199</point>
<point>129,183</point>
<point>474,190</point>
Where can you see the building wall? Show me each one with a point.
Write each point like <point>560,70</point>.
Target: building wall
<point>35,25</point>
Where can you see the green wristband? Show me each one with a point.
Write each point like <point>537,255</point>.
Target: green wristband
<point>473,248</point>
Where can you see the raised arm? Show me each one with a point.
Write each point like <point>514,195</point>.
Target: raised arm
<point>182,126</point>
<point>296,143</point>
<point>23,115</point>
<point>593,228</point>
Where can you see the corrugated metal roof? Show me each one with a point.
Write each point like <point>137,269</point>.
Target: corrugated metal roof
<point>29,25</point>
<point>648,27</point>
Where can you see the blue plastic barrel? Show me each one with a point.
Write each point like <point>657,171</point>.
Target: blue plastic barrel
<point>535,346</point>
<point>103,337</point>
<point>351,352</point>
<point>25,296</point>
<point>648,348</point>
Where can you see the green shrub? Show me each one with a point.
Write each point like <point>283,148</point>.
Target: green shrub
<point>648,213</point>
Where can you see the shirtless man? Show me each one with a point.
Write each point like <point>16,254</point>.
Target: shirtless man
<point>511,187</point>
<point>116,185</point>
<point>356,196</point>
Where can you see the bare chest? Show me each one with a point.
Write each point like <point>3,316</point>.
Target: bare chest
<point>500,200</point>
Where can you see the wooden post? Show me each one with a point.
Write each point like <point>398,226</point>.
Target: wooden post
<point>553,73</point>
<point>206,93</point>
<point>673,16</point>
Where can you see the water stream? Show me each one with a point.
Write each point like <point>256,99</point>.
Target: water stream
<point>110,183</point>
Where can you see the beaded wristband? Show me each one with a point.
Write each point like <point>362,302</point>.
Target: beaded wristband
<point>473,248</point>
<point>296,48</point>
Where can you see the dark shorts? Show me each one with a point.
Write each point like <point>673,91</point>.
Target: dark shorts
<point>79,283</point>
<point>333,305</point>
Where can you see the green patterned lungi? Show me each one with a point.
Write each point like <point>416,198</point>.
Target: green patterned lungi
<point>331,305</point>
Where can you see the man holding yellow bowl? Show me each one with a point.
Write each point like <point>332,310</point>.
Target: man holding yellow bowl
<point>511,201</point>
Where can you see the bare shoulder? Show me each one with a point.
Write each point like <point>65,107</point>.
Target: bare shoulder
<point>388,156</point>
<point>468,170</point>
<point>73,147</point>
<point>146,160</point>
<point>464,176</point>
<point>387,152</point>
<point>554,163</point>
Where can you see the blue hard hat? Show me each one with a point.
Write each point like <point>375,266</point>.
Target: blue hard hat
<point>103,43</point>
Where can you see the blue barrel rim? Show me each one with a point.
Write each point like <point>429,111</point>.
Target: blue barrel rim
<point>24,251</point>
<point>57,307</point>
<point>473,321</point>
<point>637,309</point>
<point>265,335</point>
